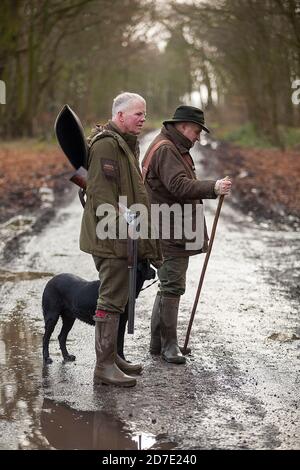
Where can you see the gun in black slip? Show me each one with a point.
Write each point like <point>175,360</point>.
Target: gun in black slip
<point>132,252</point>
<point>71,138</point>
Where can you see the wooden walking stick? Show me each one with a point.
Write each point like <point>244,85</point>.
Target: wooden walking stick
<point>213,232</point>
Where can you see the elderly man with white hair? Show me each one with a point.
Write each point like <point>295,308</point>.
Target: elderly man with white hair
<point>113,171</point>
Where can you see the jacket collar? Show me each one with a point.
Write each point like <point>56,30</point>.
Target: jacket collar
<point>130,139</point>
<point>182,143</point>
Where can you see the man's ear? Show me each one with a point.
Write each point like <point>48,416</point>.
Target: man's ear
<point>121,116</point>
<point>184,125</point>
<point>180,126</point>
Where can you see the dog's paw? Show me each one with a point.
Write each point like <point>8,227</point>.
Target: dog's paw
<point>69,358</point>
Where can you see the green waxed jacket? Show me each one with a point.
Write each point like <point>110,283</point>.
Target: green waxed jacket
<point>113,171</point>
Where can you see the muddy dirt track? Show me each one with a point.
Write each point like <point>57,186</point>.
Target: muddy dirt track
<point>239,388</point>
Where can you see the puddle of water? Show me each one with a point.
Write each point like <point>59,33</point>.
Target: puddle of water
<point>28,420</point>
<point>68,428</point>
<point>15,276</point>
<point>20,371</point>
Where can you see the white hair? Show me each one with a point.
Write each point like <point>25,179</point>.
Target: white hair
<point>122,101</point>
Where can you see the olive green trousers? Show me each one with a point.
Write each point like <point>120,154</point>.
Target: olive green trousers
<point>172,276</point>
<point>114,280</point>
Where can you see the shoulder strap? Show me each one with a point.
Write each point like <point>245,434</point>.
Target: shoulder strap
<point>107,133</point>
<point>187,162</point>
<point>101,134</point>
<point>147,160</point>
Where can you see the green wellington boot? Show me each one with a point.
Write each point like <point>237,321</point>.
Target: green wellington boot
<point>169,316</point>
<point>155,342</point>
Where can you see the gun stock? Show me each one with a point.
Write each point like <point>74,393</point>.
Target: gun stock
<point>79,177</point>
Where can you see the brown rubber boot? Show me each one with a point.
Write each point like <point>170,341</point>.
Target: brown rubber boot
<point>169,316</point>
<point>127,367</point>
<point>155,342</point>
<point>106,370</point>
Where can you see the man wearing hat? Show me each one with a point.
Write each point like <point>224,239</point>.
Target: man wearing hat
<point>170,179</point>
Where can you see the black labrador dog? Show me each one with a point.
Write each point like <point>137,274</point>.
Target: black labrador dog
<point>72,297</point>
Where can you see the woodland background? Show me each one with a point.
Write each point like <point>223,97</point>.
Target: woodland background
<point>236,59</point>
